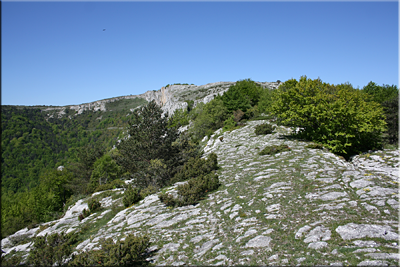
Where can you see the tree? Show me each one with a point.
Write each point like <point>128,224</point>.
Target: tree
<point>149,138</point>
<point>211,117</point>
<point>336,116</point>
<point>105,169</point>
<point>382,93</point>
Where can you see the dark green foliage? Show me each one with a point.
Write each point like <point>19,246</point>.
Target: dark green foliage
<point>235,99</point>
<point>148,191</point>
<point>105,170</point>
<point>388,97</point>
<point>391,108</point>
<point>93,205</point>
<point>195,189</point>
<point>271,150</point>
<point>179,118</point>
<point>129,252</point>
<point>196,167</point>
<point>264,128</point>
<point>266,100</point>
<point>52,250</point>
<point>229,124</point>
<point>117,183</point>
<point>211,116</point>
<point>315,146</point>
<point>168,199</point>
<point>150,139</point>
<point>382,93</point>
<point>131,196</point>
<point>201,179</point>
<point>11,260</point>
<point>243,95</point>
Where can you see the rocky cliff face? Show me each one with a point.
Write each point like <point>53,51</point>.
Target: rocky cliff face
<point>170,98</point>
<point>303,206</point>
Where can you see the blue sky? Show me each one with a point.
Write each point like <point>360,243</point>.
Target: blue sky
<point>56,53</point>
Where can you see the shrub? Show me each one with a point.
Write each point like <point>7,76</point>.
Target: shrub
<point>243,95</point>
<point>229,124</point>
<point>168,199</point>
<point>52,250</point>
<point>211,117</point>
<point>391,108</point>
<point>93,205</point>
<point>114,184</point>
<point>264,129</point>
<point>193,191</point>
<point>148,191</point>
<point>128,252</point>
<point>131,196</point>
<point>196,167</point>
<point>315,146</point>
<point>336,116</point>
<point>271,150</point>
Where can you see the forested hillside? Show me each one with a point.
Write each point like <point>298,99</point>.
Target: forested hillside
<point>32,144</point>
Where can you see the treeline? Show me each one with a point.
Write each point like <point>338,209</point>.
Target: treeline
<point>33,145</point>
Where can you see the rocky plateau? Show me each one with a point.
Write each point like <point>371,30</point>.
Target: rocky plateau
<point>300,207</point>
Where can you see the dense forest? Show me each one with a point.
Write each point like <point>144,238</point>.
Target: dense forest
<point>345,120</point>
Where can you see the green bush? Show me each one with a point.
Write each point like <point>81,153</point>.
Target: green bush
<point>264,129</point>
<point>195,189</point>
<point>336,116</point>
<point>271,150</point>
<point>168,199</point>
<point>108,186</point>
<point>229,124</point>
<point>105,170</point>
<point>195,167</point>
<point>243,95</point>
<point>391,108</point>
<point>315,146</point>
<point>148,191</point>
<point>131,196</point>
<point>129,252</point>
<point>93,205</point>
<point>52,250</point>
<point>211,116</point>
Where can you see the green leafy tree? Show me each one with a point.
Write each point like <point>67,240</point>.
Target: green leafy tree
<point>388,97</point>
<point>105,170</point>
<point>212,117</point>
<point>382,93</point>
<point>336,116</point>
<point>149,139</point>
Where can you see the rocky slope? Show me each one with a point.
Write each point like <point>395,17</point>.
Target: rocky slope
<point>304,206</point>
<point>169,98</point>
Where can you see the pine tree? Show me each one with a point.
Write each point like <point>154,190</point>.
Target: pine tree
<point>149,139</point>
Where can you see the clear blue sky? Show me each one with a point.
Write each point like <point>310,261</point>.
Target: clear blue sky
<point>56,53</point>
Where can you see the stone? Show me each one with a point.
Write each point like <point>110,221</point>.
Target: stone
<point>353,231</point>
<point>318,245</point>
<point>259,241</point>
<point>373,263</point>
<point>317,234</point>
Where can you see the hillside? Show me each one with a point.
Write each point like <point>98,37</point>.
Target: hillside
<point>303,206</point>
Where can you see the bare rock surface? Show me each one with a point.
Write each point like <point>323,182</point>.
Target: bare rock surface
<point>304,206</point>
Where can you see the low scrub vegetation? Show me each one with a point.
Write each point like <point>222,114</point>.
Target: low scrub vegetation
<point>264,128</point>
<point>271,150</point>
<point>129,252</point>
